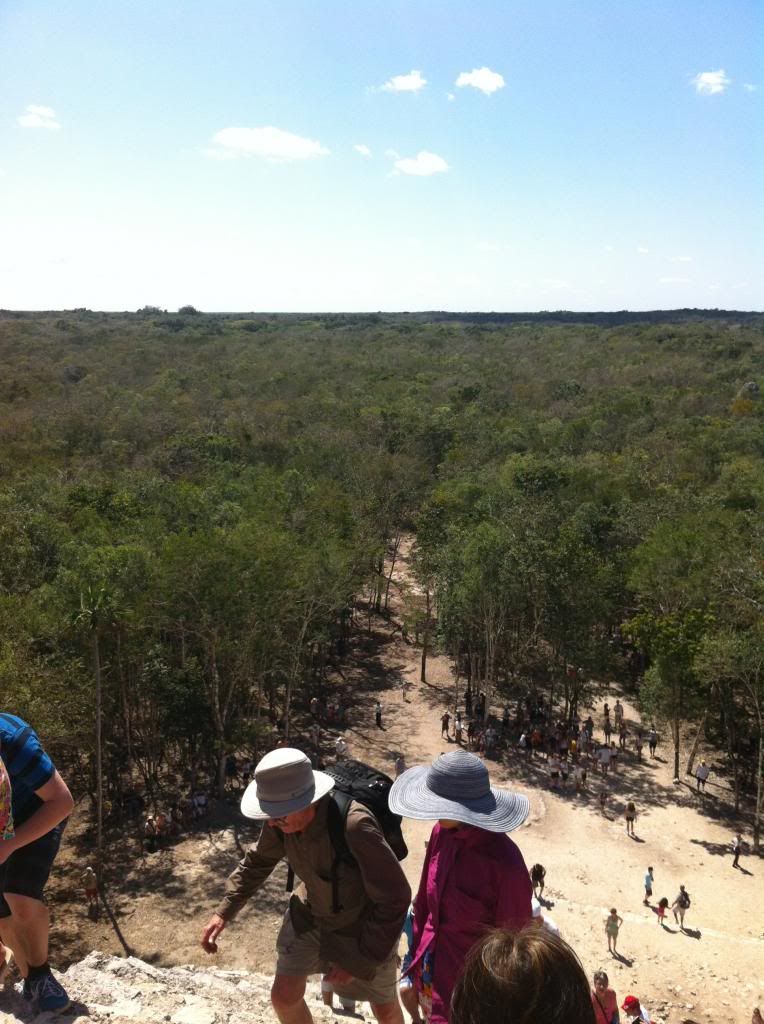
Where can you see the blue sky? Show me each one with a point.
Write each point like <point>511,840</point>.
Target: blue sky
<point>359,155</point>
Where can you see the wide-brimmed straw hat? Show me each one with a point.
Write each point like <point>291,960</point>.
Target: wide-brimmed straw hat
<point>284,783</point>
<point>456,787</point>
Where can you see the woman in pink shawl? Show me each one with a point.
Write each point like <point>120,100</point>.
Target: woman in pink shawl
<point>474,877</point>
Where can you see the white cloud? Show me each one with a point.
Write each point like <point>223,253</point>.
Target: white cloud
<point>608,248</point>
<point>392,154</point>
<point>750,87</point>
<point>708,83</point>
<point>363,150</point>
<point>422,165</point>
<point>35,116</point>
<point>642,250</point>
<point>681,259</point>
<point>484,79</point>
<point>267,143</point>
<point>674,280</point>
<point>451,97</point>
<point>412,82</point>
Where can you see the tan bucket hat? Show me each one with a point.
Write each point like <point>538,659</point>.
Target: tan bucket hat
<point>284,782</point>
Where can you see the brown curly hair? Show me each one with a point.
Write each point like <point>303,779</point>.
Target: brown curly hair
<point>522,978</point>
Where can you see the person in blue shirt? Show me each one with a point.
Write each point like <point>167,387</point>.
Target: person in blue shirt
<point>41,803</point>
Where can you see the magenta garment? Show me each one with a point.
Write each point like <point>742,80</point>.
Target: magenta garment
<point>472,880</point>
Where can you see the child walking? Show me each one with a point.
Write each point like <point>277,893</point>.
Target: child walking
<point>612,924</point>
<point>662,908</point>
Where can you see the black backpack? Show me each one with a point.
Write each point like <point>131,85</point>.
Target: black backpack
<point>354,780</point>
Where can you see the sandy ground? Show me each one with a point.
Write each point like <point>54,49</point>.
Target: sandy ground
<point>711,972</point>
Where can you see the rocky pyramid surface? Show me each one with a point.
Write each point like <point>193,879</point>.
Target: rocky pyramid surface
<point>110,990</point>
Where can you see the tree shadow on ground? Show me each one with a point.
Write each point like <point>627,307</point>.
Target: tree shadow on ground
<point>715,849</point>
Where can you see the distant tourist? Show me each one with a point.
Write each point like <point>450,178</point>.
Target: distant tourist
<point>612,927</point>
<point>378,715</point>
<point>538,874</point>
<point>661,911</point>
<point>90,885</point>
<point>701,776</point>
<point>737,849</point>
<point>680,906</point>
<point>630,814</point>
<point>652,741</point>
<point>649,878</point>
<point>445,721</point>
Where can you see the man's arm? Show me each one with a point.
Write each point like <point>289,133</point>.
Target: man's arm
<point>386,887</point>
<point>255,867</point>
<point>57,804</point>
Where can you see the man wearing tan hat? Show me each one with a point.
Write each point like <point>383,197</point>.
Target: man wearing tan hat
<point>350,935</point>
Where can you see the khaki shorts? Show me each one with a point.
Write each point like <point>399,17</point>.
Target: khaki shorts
<point>298,955</point>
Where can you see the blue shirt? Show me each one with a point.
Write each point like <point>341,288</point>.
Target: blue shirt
<point>27,764</point>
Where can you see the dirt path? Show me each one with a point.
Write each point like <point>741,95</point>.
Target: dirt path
<point>713,972</point>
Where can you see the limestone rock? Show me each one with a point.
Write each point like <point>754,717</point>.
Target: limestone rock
<point>111,990</point>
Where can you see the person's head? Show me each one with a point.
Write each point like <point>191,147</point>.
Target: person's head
<point>522,977</point>
<point>631,1006</point>
<point>650,869</point>
<point>285,790</point>
<point>613,911</point>
<point>681,888</point>
<point>601,982</point>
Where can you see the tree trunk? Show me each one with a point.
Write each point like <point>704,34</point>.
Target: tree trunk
<point>396,546</point>
<point>425,637</point>
<point>757,810</point>
<point>696,743</point>
<point>675,737</point>
<point>94,639</point>
<point>221,773</point>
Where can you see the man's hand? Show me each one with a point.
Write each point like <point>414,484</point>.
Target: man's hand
<point>338,976</point>
<point>215,925</point>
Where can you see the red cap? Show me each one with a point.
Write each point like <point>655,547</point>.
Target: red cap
<point>630,1004</point>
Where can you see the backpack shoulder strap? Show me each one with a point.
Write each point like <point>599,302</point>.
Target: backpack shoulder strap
<point>336,819</point>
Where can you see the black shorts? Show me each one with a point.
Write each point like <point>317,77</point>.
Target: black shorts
<point>26,871</point>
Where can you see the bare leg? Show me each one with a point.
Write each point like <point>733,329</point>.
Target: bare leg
<point>288,999</point>
<point>26,931</point>
<point>388,1013</point>
<point>410,1000</point>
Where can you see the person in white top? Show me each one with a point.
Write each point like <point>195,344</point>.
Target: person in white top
<point>544,920</point>
<point>340,748</point>
<point>701,776</point>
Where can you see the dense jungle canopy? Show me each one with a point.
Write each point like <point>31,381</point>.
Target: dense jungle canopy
<point>192,506</point>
